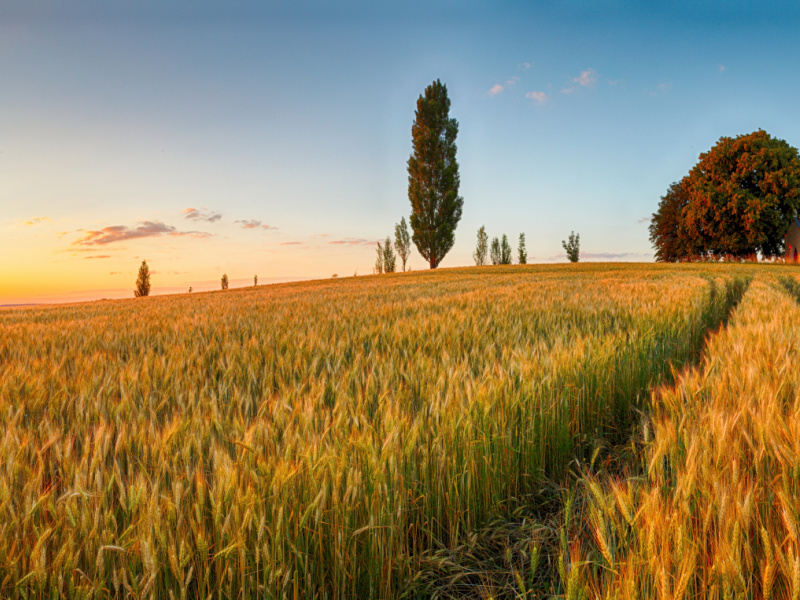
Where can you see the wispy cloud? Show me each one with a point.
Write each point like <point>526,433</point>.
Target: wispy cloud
<point>291,243</point>
<point>122,233</point>
<point>661,88</point>
<point>97,256</point>
<point>254,224</point>
<point>36,221</point>
<point>539,97</point>
<point>202,214</point>
<point>525,66</point>
<point>588,78</point>
<point>499,88</point>
<point>353,242</point>
<point>722,68</point>
<point>644,220</point>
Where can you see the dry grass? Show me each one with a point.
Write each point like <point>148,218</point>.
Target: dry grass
<point>324,439</point>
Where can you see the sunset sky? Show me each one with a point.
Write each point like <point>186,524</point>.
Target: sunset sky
<point>271,138</point>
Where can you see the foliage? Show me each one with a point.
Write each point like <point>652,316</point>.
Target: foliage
<point>402,241</point>
<point>496,253</point>
<point>505,251</point>
<point>142,281</point>
<point>378,269</point>
<point>255,280</point>
<point>522,252</point>
<point>389,260</point>
<point>224,281</point>
<point>738,201</point>
<point>433,178</point>
<point>324,439</point>
<point>481,247</point>
<point>667,234</point>
<point>572,246</point>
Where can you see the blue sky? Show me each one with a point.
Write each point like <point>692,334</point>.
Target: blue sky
<point>272,138</point>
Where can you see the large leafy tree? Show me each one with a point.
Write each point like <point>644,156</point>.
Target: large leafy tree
<point>667,234</point>
<point>738,201</point>
<point>433,179</point>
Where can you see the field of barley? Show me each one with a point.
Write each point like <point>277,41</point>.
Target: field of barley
<point>391,436</point>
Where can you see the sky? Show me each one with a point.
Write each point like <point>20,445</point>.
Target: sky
<point>272,138</point>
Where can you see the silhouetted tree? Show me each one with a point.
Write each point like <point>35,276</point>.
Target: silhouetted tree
<point>224,281</point>
<point>255,280</point>
<point>433,179</point>
<point>522,252</point>
<point>481,247</point>
<point>142,281</point>
<point>572,246</point>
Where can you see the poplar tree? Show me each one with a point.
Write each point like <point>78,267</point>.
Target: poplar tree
<point>389,262</point>
<point>402,241</point>
<point>481,247</point>
<point>496,253</point>
<point>142,281</point>
<point>433,179</point>
<point>505,251</point>
<point>522,251</point>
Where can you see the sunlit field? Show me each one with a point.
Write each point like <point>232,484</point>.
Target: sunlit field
<point>714,512</point>
<point>347,438</point>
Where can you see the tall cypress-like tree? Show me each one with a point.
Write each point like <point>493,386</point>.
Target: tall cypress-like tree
<point>433,178</point>
<point>480,249</point>
<point>142,281</point>
<point>402,241</point>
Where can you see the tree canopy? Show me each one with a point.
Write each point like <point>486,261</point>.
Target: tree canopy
<point>738,201</point>
<point>433,179</point>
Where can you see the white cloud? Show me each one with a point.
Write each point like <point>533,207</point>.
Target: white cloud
<point>587,78</point>
<point>495,89</point>
<point>499,88</point>
<point>539,97</point>
<point>526,65</point>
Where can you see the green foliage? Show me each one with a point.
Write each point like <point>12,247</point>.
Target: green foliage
<point>572,246</point>
<point>738,201</point>
<point>224,281</point>
<point>522,252</point>
<point>389,259</point>
<point>402,241</point>
<point>142,281</point>
<point>495,253</point>
<point>481,247</point>
<point>433,179</point>
<point>378,269</point>
<point>505,251</point>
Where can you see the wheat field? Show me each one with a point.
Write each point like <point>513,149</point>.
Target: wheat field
<point>330,439</point>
